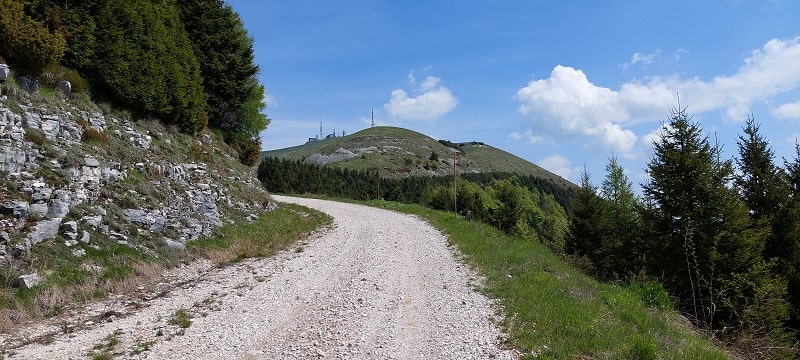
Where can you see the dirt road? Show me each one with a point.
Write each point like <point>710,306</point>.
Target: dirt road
<point>378,285</point>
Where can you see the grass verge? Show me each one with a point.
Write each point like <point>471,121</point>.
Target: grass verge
<point>553,311</point>
<point>263,237</point>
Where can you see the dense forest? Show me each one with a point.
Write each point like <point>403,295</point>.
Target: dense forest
<point>188,63</point>
<point>527,206</point>
<point>722,236</point>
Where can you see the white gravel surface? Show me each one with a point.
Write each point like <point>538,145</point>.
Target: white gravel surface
<point>377,285</point>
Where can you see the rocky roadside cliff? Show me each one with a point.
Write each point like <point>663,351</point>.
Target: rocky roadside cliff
<point>76,172</point>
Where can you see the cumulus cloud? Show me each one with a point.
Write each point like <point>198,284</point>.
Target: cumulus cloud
<point>559,165</point>
<point>567,104</point>
<point>787,111</point>
<point>432,100</point>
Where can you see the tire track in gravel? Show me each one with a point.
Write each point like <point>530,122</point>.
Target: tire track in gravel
<point>378,285</point>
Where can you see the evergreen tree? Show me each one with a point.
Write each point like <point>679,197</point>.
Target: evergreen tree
<point>144,60</point>
<point>761,185</point>
<point>587,220</point>
<point>787,229</point>
<point>620,252</point>
<point>225,52</point>
<point>702,243</point>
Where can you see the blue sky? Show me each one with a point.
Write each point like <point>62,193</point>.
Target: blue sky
<point>562,84</point>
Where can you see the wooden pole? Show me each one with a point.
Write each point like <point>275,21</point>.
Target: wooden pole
<point>455,185</point>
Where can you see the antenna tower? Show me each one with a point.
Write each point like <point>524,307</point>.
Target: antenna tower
<point>373,118</point>
<point>321,136</point>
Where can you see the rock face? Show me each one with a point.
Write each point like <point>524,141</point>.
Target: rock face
<point>78,176</point>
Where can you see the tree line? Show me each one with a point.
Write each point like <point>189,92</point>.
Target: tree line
<point>188,63</point>
<point>522,205</point>
<point>722,236</point>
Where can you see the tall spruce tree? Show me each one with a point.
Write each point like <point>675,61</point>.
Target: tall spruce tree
<point>621,253</point>
<point>761,185</point>
<point>227,65</point>
<point>588,220</point>
<point>701,244</point>
<point>787,229</point>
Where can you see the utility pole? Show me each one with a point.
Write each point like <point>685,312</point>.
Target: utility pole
<point>455,183</point>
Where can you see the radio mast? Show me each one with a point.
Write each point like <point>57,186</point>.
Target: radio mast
<point>373,117</point>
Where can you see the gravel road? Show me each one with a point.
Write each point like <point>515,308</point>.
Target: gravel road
<point>377,285</point>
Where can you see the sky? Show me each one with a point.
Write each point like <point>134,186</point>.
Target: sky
<point>563,84</point>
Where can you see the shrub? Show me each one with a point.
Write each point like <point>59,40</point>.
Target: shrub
<point>35,136</point>
<point>54,74</point>
<point>27,43</point>
<point>249,151</point>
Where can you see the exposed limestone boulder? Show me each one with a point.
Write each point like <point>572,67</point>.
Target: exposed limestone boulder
<point>43,230</point>
<point>29,281</point>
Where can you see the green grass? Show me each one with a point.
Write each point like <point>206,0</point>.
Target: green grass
<point>105,349</point>
<point>181,319</point>
<point>552,311</point>
<point>266,236</point>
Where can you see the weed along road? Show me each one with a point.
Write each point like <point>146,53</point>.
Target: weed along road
<point>376,285</point>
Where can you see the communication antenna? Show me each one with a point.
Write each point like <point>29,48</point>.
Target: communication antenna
<point>321,136</point>
<point>373,117</point>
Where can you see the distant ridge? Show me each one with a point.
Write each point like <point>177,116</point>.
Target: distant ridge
<point>396,152</point>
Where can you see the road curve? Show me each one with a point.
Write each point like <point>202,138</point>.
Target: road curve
<point>377,285</point>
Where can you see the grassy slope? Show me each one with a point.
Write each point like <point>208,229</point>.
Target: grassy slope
<point>553,311</point>
<point>398,145</point>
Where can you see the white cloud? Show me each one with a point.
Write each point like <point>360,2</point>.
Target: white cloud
<point>567,104</point>
<point>433,101</point>
<point>558,165</point>
<point>642,58</point>
<point>787,111</point>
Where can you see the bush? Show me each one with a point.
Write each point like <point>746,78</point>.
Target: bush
<point>54,74</point>
<point>27,43</point>
<point>249,151</point>
<point>35,136</point>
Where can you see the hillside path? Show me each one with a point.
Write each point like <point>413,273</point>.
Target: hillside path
<point>377,285</point>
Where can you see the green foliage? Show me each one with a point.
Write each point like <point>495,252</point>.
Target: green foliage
<point>503,202</point>
<point>144,59</point>
<point>27,43</point>
<point>54,74</point>
<point>249,150</point>
<point>225,54</point>
<point>588,220</point>
<point>35,136</point>
<point>710,256</point>
<point>180,318</point>
<point>652,293</point>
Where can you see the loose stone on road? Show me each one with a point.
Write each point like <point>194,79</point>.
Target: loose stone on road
<point>377,285</point>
